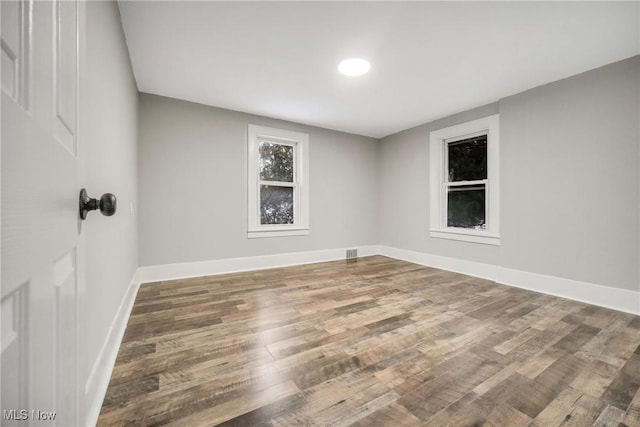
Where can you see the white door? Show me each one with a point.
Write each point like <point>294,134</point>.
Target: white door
<point>41,232</point>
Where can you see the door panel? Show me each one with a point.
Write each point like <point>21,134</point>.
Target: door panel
<point>13,46</point>
<point>14,351</point>
<point>65,73</point>
<point>64,279</point>
<point>41,230</point>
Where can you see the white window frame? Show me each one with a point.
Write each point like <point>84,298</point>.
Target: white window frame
<point>438,141</point>
<point>300,142</point>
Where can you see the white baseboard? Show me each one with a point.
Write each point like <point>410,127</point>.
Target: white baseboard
<point>471,268</point>
<point>604,296</point>
<point>157,273</point>
<point>98,381</point>
<point>590,293</point>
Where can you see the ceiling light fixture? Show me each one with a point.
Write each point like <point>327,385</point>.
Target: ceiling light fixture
<point>354,67</point>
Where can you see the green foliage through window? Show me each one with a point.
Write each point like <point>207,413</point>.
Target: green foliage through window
<point>466,207</point>
<point>276,205</point>
<point>468,159</point>
<point>276,162</point>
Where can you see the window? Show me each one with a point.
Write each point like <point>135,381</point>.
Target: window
<point>464,181</point>
<point>278,182</point>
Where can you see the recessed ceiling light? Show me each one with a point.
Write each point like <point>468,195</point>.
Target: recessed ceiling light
<point>354,67</point>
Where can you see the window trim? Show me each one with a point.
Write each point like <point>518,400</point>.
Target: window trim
<point>300,185</point>
<point>438,140</point>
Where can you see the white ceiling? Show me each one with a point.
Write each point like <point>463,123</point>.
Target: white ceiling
<point>428,59</point>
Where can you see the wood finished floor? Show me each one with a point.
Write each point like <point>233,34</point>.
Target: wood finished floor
<point>377,342</point>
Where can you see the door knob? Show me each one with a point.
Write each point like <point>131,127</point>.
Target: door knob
<point>106,204</point>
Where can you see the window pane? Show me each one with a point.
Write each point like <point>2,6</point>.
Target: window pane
<point>276,205</point>
<point>466,207</point>
<point>276,162</point>
<point>468,159</point>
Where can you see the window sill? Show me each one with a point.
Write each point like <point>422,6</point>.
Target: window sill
<point>278,232</point>
<point>481,237</point>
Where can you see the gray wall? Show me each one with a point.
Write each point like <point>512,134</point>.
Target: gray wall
<point>192,185</point>
<point>570,177</point>
<point>108,135</point>
<point>569,181</point>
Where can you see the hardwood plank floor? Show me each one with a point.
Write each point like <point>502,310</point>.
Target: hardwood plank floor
<point>377,342</point>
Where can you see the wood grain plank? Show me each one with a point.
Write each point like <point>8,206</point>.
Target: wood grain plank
<point>377,342</point>
<point>625,385</point>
